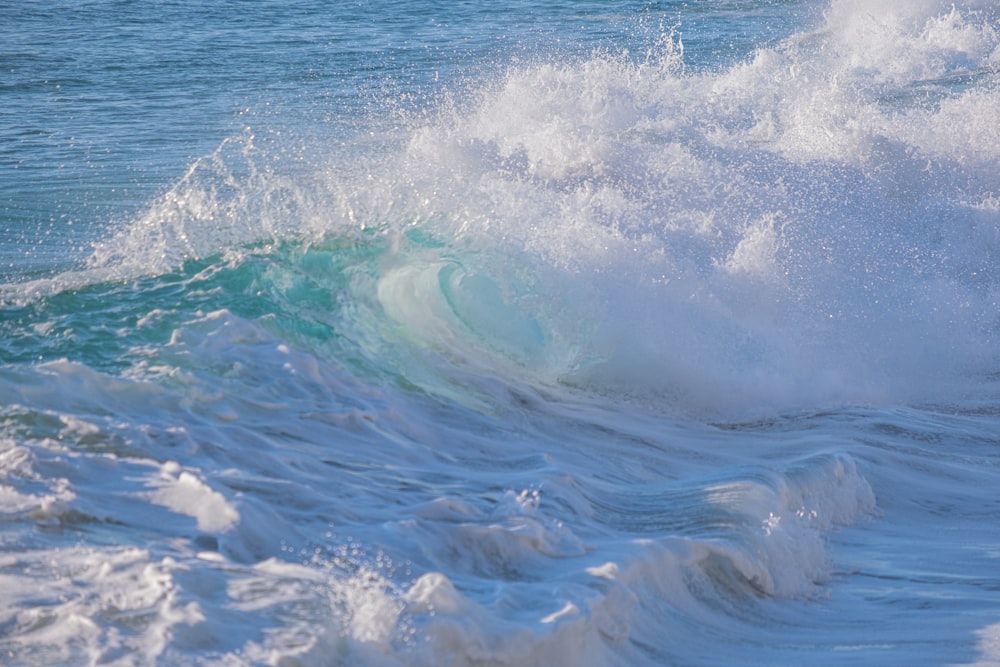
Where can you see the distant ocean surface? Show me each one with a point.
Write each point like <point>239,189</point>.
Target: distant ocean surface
<point>511,333</point>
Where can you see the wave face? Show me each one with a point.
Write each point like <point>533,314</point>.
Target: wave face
<point>615,338</point>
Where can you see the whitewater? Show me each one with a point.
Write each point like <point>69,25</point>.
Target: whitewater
<point>396,334</point>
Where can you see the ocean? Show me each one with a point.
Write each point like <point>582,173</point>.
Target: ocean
<point>512,333</point>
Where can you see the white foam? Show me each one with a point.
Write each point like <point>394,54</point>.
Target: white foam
<point>988,646</point>
<point>183,492</point>
<point>93,605</point>
<point>17,469</point>
<point>356,616</point>
<point>456,630</point>
<point>768,236</point>
<point>910,41</point>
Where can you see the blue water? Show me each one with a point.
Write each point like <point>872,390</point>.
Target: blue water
<point>514,333</point>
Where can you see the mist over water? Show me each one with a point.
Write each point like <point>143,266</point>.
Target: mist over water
<point>658,335</point>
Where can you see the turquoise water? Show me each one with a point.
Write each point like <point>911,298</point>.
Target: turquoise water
<point>508,334</point>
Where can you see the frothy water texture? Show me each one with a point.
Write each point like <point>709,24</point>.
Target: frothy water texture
<point>674,349</point>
